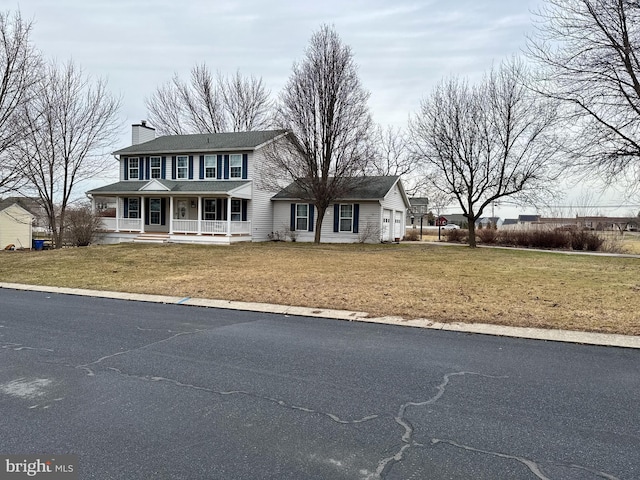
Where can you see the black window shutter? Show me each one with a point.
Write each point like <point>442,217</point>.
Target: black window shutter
<point>245,164</point>
<point>163,168</point>
<point>148,167</point>
<point>163,203</point>
<point>226,167</point>
<point>244,210</point>
<point>126,208</point>
<point>219,169</point>
<point>190,167</point>
<point>201,167</point>
<point>146,211</point>
<point>311,219</point>
<point>141,168</point>
<point>126,169</point>
<point>219,209</point>
<point>356,217</point>
<point>173,167</point>
<point>336,217</point>
<point>292,223</point>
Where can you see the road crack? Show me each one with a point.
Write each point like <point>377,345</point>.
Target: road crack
<point>276,401</point>
<point>91,373</point>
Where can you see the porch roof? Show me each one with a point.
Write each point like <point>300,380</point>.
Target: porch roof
<point>206,187</point>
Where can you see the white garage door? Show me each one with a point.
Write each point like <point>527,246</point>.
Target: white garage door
<point>386,225</point>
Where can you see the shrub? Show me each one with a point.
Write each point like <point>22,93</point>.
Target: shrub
<point>455,235</point>
<point>593,242</point>
<point>412,235</point>
<point>487,235</point>
<point>369,233</point>
<point>81,225</point>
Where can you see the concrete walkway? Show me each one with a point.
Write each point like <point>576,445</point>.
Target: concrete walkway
<point>604,339</point>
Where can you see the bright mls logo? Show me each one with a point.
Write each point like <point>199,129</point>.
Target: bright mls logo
<point>49,467</point>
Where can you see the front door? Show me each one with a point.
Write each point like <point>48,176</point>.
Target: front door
<point>181,211</point>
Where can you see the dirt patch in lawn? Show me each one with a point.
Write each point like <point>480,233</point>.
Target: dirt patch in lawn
<point>443,284</point>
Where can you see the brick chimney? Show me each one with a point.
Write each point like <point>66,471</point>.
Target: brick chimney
<point>141,133</point>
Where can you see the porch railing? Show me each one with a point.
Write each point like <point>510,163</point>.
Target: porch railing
<point>180,226</point>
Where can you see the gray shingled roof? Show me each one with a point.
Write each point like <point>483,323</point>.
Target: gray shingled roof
<point>364,188</point>
<point>202,142</point>
<point>195,186</point>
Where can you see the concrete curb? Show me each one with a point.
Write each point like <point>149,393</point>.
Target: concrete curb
<point>603,339</point>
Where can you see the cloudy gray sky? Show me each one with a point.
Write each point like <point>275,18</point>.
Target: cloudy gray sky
<point>403,48</point>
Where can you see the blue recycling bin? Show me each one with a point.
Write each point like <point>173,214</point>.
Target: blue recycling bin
<point>38,244</point>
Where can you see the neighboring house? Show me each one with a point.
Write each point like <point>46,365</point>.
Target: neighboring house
<point>373,210</point>
<point>419,209</point>
<point>601,223</point>
<point>15,226</point>
<point>455,218</point>
<point>207,188</point>
<point>485,222</point>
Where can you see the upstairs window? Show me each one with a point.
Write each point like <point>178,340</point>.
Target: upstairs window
<point>346,218</point>
<point>155,167</point>
<point>235,166</point>
<point>302,216</point>
<point>210,166</point>
<point>134,168</point>
<point>182,167</point>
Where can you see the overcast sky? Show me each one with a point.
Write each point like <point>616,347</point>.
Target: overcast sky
<point>403,48</point>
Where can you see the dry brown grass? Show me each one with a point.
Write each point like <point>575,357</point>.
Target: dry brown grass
<point>519,288</point>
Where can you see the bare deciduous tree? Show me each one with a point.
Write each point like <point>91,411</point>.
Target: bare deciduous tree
<point>589,53</point>
<point>19,71</point>
<point>484,142</point>
<point>392,156</point>
<point>68,127</point>
<point>209,105</point>
<point>325,107</point>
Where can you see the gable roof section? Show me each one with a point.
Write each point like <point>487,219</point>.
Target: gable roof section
<point>17,205</point>
<point>364,188</point>
<point>30,204</point>
<point>202,142</point>
<point>170,186</point>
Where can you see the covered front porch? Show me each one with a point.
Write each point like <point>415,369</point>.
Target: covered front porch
<point>154,213</point>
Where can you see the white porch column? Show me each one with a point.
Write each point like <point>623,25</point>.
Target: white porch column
<point>199,215</point>
<point>228,216</point>
<point>171,215</point>
<point>117,214</point>
<point>142,214</point>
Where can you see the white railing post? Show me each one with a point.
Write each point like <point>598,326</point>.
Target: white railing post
<point>117,214</point>
<point>229,217</point>
<point>142,214</point>
<point>171,215</point>
<point>199,215</point>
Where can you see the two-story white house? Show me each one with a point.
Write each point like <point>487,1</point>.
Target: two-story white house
<point>205,188</point>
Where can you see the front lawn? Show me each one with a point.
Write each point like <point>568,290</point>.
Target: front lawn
<point>444,284</point>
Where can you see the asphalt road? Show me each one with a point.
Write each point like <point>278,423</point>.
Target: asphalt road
<point>145,391</point>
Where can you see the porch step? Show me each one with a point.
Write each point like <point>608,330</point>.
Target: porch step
<point>152,238</point>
